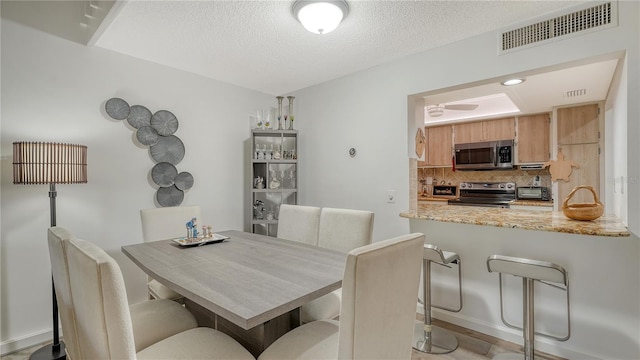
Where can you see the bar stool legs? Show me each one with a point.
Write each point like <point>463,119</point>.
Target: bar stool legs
<point>530,270</point>
<point>429,338</point>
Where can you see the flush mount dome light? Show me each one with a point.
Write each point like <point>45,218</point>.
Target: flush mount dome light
<point>320,17</point>
<point>512,82</point>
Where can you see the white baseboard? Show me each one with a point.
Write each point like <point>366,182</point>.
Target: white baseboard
<point>548,346</point>
<point>27,341</point>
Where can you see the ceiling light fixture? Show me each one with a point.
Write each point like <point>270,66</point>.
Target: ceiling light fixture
<point>320,17</point>
<point>512,82</point>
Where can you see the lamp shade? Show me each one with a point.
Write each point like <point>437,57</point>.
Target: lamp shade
<point>49,163</point>
<point>320,17</point>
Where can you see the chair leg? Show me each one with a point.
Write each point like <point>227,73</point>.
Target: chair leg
<point>528,318</point>
<point>528,328</point>
<point>429,338</point>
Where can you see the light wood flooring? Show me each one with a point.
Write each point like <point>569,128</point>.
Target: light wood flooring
<point>473,346</point>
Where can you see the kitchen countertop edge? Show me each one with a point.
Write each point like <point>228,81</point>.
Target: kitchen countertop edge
<point>552,221</point>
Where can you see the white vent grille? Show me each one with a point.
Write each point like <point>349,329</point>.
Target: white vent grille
<point>594,18</point>
<point>575,93</point>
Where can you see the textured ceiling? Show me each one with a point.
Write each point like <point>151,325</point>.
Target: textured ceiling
<point>259,45</point>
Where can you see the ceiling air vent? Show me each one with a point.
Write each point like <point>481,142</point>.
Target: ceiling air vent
<point>575,93</point>
<point>579,22</point>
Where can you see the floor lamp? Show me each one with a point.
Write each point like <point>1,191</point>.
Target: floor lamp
<point>50,163</point>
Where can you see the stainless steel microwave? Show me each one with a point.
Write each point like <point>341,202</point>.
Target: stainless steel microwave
<point>489,155</point>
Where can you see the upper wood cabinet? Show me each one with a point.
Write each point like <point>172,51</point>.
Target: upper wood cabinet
<point>578,125</point>
<point>439,146</point>
<point>468,132</point>
<point>533,138</point>
<point>499,129</point>
<point>487,130</point>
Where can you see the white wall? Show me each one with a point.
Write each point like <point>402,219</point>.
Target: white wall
<point>55,90</point>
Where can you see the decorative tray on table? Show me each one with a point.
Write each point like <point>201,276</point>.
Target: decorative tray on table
<point>216,238</point>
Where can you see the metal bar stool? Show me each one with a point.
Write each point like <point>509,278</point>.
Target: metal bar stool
<point>429,338</point>
<point>546,273</point>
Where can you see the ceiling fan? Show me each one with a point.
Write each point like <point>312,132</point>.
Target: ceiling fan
<point>438,110</point>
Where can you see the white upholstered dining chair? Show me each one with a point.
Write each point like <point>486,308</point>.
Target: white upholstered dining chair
<point>104,324</point>
<point>152,320</point>
<point>299,223</point>
<point>165,223</point>
<point>342,230</point>
<point>379,289</point>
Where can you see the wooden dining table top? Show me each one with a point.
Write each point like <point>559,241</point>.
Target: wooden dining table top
<point>247,279</point>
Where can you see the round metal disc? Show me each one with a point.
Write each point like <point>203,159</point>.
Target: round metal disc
<point>164,174</point>
<point>147,135</point>
<point>139,116</point>
<point>184,181</point>
<point>164,122</point>
<point>169,149</point>
<point>169,196</point>
<point>117,108</point>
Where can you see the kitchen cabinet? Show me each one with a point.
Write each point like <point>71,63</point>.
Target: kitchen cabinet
<point>579,140</point>
<point>533,138</point>
<point>274,178</point>
<point>487,130</point>
<point>439,146</point>
<point>499,129</point>
<point>578,125</point>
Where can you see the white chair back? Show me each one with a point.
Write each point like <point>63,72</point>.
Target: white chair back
<point>345,229</point>
<point>299,223</point>
<point>57,239</point>
<point>379,289</point>
<point>100,302</point>
<point>167,222</point>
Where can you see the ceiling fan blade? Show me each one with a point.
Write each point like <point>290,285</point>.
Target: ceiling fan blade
<point>466,107</point>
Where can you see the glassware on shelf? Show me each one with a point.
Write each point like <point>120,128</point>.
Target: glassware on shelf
<point>292,179</point>
<point>291,116</point>
<point>274,183</point>
<point>258,120</point>
<point>280,98</point>
<point>267,119</point>
<point>268,153</point>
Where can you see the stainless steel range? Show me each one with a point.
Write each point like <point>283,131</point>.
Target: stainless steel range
<point>486,194</point>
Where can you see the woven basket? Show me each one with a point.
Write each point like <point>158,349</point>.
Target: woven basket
<point>583,211</point>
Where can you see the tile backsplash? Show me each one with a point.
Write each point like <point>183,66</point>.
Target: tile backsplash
<point>445,176</point>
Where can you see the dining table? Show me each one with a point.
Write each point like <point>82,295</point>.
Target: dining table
<point>250,286</point>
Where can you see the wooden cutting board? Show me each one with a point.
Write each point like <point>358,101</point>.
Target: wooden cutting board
<point>560,169</point>
<point>420,143</point>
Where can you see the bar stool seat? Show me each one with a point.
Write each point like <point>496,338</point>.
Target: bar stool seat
<point>529,270</point>
<point>429,338</point>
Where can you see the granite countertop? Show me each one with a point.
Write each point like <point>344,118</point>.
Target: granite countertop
<point>532,203</point>
<point>431,198</point>
<point>554,221</point>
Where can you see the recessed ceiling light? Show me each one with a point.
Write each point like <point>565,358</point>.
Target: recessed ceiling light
<point>512,82</point>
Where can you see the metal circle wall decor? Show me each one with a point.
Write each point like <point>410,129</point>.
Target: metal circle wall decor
<point>169,196</point>
<point>147,135</point>
<point>140,116</point>
<point>164,174</point>
<point>184,181</point>
<point>117,108</point>
<point>167,150</point>
<point>164,122</point>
